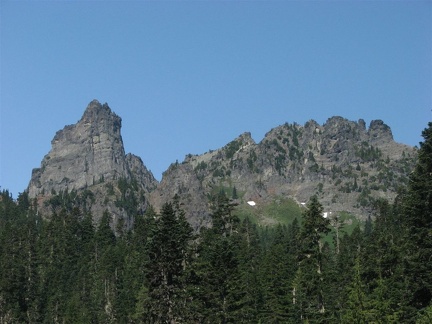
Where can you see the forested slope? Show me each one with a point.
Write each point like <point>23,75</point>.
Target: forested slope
<point>70,271</point>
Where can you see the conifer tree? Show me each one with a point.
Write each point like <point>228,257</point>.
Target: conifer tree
<point>19,300</point>
<point>355,308</point>
<point>144,229</point>
<point>215,272</point>
<point>278,270</point>
<point>167,252</point>
<point>309,282</point>
<point>104,277</point>
<point>248,286</point>
<point>79,308</point>
<point>418,211</point>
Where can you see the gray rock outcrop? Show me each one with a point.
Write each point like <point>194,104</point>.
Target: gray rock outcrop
<point>89,155</point>
<point>345,164</point>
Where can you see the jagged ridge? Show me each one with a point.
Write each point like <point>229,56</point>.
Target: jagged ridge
<point>346,164</point>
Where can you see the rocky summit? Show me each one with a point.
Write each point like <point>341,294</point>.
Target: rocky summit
<point>347,165</point>
<point>87,167</point>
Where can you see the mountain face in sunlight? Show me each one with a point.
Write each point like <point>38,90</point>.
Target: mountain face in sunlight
<point>87,166</point>
<point>346,164</point>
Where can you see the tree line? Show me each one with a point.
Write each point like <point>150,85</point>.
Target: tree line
<point>69,270</point>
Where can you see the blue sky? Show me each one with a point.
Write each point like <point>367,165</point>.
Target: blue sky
<point>191,76</point>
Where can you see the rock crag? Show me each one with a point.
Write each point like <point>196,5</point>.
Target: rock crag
<point>89,156</point>
<point>347,165</point>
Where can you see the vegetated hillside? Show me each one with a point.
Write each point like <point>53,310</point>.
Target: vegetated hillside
<point>315,270</point>
<point>347,165</point>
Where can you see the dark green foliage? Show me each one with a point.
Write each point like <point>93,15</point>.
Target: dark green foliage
<point>368,152</point>
<point>278,147</point>
<point>218,173</point>
<point>110,188</point>
<point>418,211</point>
<point>277,272</point>
<point>280,163</point>
<point>314,167</point>
<point>201,166</point>
<point>18,267</point>
<point>234,193</point>
<point>309,280</point>
<point>128,199</point>
<point>231,148</point>
<point>168,251</point>
<point>216,280</point>
<point>65,269</point>
<point>223,218</point>
<point>252,158</point>
<point>68,200</point>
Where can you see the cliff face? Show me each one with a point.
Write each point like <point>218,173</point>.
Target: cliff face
<point>347,165</point>
<point>89,155</point>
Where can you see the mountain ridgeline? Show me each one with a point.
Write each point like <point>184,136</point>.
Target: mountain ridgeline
<point>345,164</point>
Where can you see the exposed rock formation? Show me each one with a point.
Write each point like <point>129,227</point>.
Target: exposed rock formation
<point>345,164</point>
<point>89,155</point>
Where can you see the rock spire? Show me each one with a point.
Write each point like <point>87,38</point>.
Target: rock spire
<point>86,155</point>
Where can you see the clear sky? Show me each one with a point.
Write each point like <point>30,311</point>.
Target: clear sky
<point>191,76</point>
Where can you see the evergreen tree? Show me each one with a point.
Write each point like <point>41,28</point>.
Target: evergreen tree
<point>58,255</point>
<point>278,270</point>
<point>215,275</point>
<point>309,281</point>
<point>355,309</point>
<point>223,218</point>
<point>19,299</point>
<point>104,288</point>
<point>80,304</point>
<point>343,272</point>
<point>167,255</point>
<point>418,210</point>
<point>234,193</point>
<point>425,316</point>
<point>144,228</point>
<point>383,259</point>
<point>248,286</point>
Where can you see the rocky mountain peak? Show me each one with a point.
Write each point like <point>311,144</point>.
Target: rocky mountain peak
<point>97,114</point>
<point>82,153</point>
<point>346,165</point>
<point>378,131</point>
<point>362,124</point>
<point>246,139</point>
<point>85,155</point>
